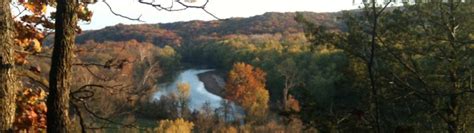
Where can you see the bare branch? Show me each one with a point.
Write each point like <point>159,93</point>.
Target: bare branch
<point>81,118</point>
<point>35,77</point>
<point>19,11</point>
<point>159,7</point>
<point>82,101</point>
<point>120,15</point>
<point>185,6</point>
<point>88,110</point>
<point>214,16</point>
<point>384,7</point>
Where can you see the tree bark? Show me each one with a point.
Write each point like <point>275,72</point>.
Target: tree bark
<point>61,63</point>
<point>453,110</point>
<point>8,78</point>
<point>370,67</point>
<point>285,98</point>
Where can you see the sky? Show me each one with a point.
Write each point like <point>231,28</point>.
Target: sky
<point>221,8</point>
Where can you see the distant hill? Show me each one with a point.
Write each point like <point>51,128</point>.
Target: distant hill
<point>186,33</point>
<point>141,33</point>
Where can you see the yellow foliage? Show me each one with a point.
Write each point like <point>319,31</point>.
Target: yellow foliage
<point>183,90</point>
<point>36,46</point>
<point>175,126</point>
<point>259,107</point>
<point>226,129</point>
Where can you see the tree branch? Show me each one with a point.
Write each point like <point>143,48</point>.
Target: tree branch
<point>35,77</point>
<point>184,5</point>
<point>82,101</point>
<point>81,118</point>
<point>120,15</point>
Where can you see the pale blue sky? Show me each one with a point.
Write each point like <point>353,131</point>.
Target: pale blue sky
<point>221,8</point>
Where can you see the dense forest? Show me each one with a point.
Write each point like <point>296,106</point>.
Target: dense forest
<point>406,68</point>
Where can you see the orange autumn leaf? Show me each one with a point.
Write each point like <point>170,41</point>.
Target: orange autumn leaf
<point>20,59</point>
<point>246,87</point>
<point>293,104</point>
<point>22,42</point>
<point>31,110</point>
<point>36,7</point>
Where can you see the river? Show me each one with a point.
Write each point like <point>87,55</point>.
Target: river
<point>198,95</point>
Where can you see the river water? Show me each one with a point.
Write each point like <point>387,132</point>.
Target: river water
<point>198,94</point>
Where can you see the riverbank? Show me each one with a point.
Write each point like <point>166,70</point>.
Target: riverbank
<point>213,82</point>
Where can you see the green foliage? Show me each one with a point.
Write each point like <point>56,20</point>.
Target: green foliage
<point>421,60</point>
<point>423,67</point>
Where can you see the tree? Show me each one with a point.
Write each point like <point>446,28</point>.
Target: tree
<point>30,26</point>
<point>205,119</point>
<point>183,96</point>
<point>29,37</point>
<point>61,63</point>
<point>8,79</point>
<point>67,14</point>
<point>434,60</point>
<point>292,78</point>
<point>415,54</point>
<point>246,86</point>
<point>175,126</point>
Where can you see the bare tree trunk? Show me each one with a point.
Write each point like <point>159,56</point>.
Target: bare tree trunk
<point>453,110</point>
<point>8,79</point>
<point>285,98</point>
<point>61,63</point>
<point>370,67</point>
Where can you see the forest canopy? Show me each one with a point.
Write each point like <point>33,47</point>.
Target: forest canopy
<point>379,68</point>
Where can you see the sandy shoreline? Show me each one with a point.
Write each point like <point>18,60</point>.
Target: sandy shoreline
<point>213,82</point>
